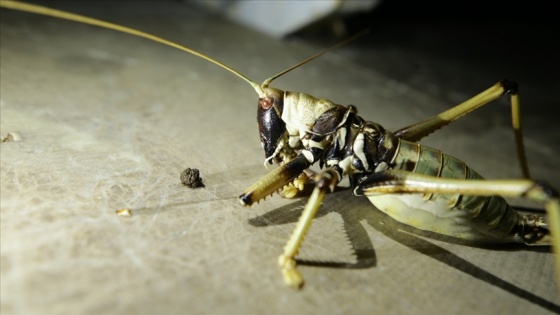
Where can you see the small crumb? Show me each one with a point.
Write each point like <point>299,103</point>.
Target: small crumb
<point>11,137</point>
<point>191,178</point>
<point>125,212</point>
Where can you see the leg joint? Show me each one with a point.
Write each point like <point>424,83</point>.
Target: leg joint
<point>510,87</point>
<point>548,190</point>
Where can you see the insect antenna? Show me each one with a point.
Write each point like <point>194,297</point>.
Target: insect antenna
<point>31,8</point>
<point>317,55</point>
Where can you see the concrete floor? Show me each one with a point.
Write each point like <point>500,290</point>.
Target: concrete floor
<point>109,121</point>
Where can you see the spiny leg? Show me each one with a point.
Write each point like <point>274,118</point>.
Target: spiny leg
<point>286,261</point>
<point>420,130</point>
<point>274,180</point>
<point>397,182</point>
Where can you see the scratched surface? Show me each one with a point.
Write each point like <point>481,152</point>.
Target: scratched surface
<point>110,121</point>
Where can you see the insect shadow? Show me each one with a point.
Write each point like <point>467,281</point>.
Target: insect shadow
<point>360,210</point>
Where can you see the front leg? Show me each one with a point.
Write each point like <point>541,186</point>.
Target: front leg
<point>286,261</point>
<point>275,180</point>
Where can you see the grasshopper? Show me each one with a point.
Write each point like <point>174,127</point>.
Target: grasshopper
<point>414,184</point>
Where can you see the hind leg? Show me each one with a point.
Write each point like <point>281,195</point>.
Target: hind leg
<point>420,130</point>
<point>402,182</point>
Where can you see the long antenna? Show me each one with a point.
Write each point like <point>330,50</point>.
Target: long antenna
<point>317,55</point>
<point>31,8</point>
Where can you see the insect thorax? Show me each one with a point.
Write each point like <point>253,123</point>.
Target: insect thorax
<point>334,135</point>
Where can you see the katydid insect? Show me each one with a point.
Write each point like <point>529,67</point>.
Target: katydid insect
<point>414,184</point>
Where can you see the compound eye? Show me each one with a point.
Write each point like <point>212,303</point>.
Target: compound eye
<point>266,102</point>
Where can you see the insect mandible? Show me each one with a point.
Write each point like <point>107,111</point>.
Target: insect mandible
<point>414,184</point>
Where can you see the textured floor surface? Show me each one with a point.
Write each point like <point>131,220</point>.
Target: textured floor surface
<point>110,121</point>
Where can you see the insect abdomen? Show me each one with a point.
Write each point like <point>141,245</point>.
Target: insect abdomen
<point>476,217</point>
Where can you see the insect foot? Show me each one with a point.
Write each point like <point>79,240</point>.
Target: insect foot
<point>292,277</point>
<point>289,192</point>
<point>295,187</point>
<point>533,231</point>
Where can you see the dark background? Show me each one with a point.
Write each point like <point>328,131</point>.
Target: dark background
<point>454,49</point>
